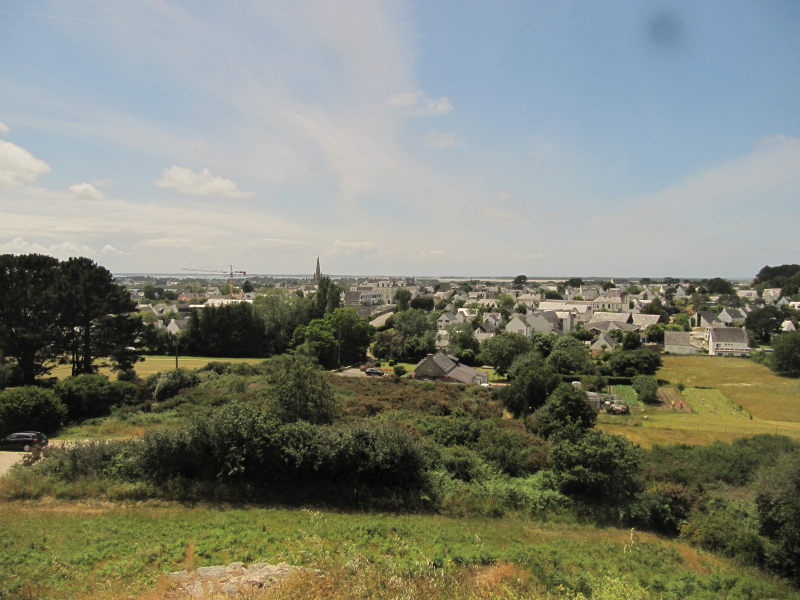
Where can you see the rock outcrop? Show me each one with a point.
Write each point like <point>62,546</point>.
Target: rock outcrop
<point>228,581</point>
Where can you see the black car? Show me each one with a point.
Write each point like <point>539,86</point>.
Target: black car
<point>24,440</point>
<point>374,372</point>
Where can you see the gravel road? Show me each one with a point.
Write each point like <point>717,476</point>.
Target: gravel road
<point>7,459</point>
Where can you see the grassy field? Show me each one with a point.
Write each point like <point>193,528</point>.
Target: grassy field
<point>729,398</point>
<point>155,364</point>
<point>73,550</point>
<point>754,387</point>
<point>626,393</point>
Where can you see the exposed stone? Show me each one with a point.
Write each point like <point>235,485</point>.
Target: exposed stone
<point>228,581</point>
<point>211,572</point>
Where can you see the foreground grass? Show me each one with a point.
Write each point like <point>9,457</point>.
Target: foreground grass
<point>729,398</point>
<point>77,550</point>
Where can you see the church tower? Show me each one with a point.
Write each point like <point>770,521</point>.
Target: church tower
<point>317,274</point>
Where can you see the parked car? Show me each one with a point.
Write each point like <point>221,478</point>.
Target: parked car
<point>24,440</point>
<point>374,372</point>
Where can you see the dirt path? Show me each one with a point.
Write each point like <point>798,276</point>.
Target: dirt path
<point>7,459</point>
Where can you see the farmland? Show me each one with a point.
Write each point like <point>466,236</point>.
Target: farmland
<point>729,398</point>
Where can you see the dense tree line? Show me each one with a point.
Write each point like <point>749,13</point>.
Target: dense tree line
<point>71,310</point>
<point>786,277</point>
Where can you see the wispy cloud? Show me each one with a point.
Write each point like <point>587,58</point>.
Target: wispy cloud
<point>419,104</point>
<point>439,139</point>
<point>4,128</point>
<point>86,191</point>
<point>165,242</point>
<point>203,183</point>
<point>281,243</point>
<point>339,247</point>
<point>109,249</point>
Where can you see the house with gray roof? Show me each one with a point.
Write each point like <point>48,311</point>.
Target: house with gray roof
<point>643,320</point>
<point>679,342</point>
<point>731,315</point>
<point>446,367</point>
<point>705,318</point>
<point>606,326</point>
<point>545,322</point>
<point>599,317</point>
<point>445,319</point>
<point>519,324</point>
<point>608,302</point>
<point>728,341</point>
<point>603,343</point>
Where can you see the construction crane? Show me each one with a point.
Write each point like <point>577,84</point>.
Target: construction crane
<point>216,271</point>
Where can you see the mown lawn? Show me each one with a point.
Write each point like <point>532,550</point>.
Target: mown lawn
<point>716,388</point>
<point>76,550</point>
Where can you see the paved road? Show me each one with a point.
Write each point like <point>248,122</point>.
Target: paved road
<point>7,459</point>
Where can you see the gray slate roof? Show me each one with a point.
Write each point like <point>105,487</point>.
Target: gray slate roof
<point>732,335</point>
<point>677,338</point>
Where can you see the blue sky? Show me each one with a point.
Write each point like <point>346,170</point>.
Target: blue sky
<point>409,138</point>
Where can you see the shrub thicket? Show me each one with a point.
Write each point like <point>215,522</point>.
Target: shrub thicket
<point>94,395</point>
<point>30,408</point>
<point>161,386</point>
<point>566,414</point>
<point>646,387</point>
<point>598,466</point>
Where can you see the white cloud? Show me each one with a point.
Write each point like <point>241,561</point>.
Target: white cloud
<point>4,128</point>
<point>86,191</point>
<point>439,139</point>
<point>186,181</point>
<point>417,103</point>
<point>18,166</point>
<point>109,249</point>
<point>164,242</point>
<point>60,250</point>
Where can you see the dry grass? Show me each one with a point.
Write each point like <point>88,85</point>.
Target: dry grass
<point>156,364</point>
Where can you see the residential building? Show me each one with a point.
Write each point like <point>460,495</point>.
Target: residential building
<point>445,367</point>
<point>728,341</point>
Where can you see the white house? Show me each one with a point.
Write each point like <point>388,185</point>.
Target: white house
<point>727,341</point>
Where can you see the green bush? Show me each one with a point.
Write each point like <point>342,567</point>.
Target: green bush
<point>31,408</point>
<point>465,464</point>
<point>93,395</point>
<point>726,530</point>
<point>664,507</point>
<point>512,452</point>
<point>10,375</point>
<point>734,464</point>
<point>298,391</point>
<point>161,386</point>
<point>566,414</point>
<point>597,466</point>
<point>646,387</point>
